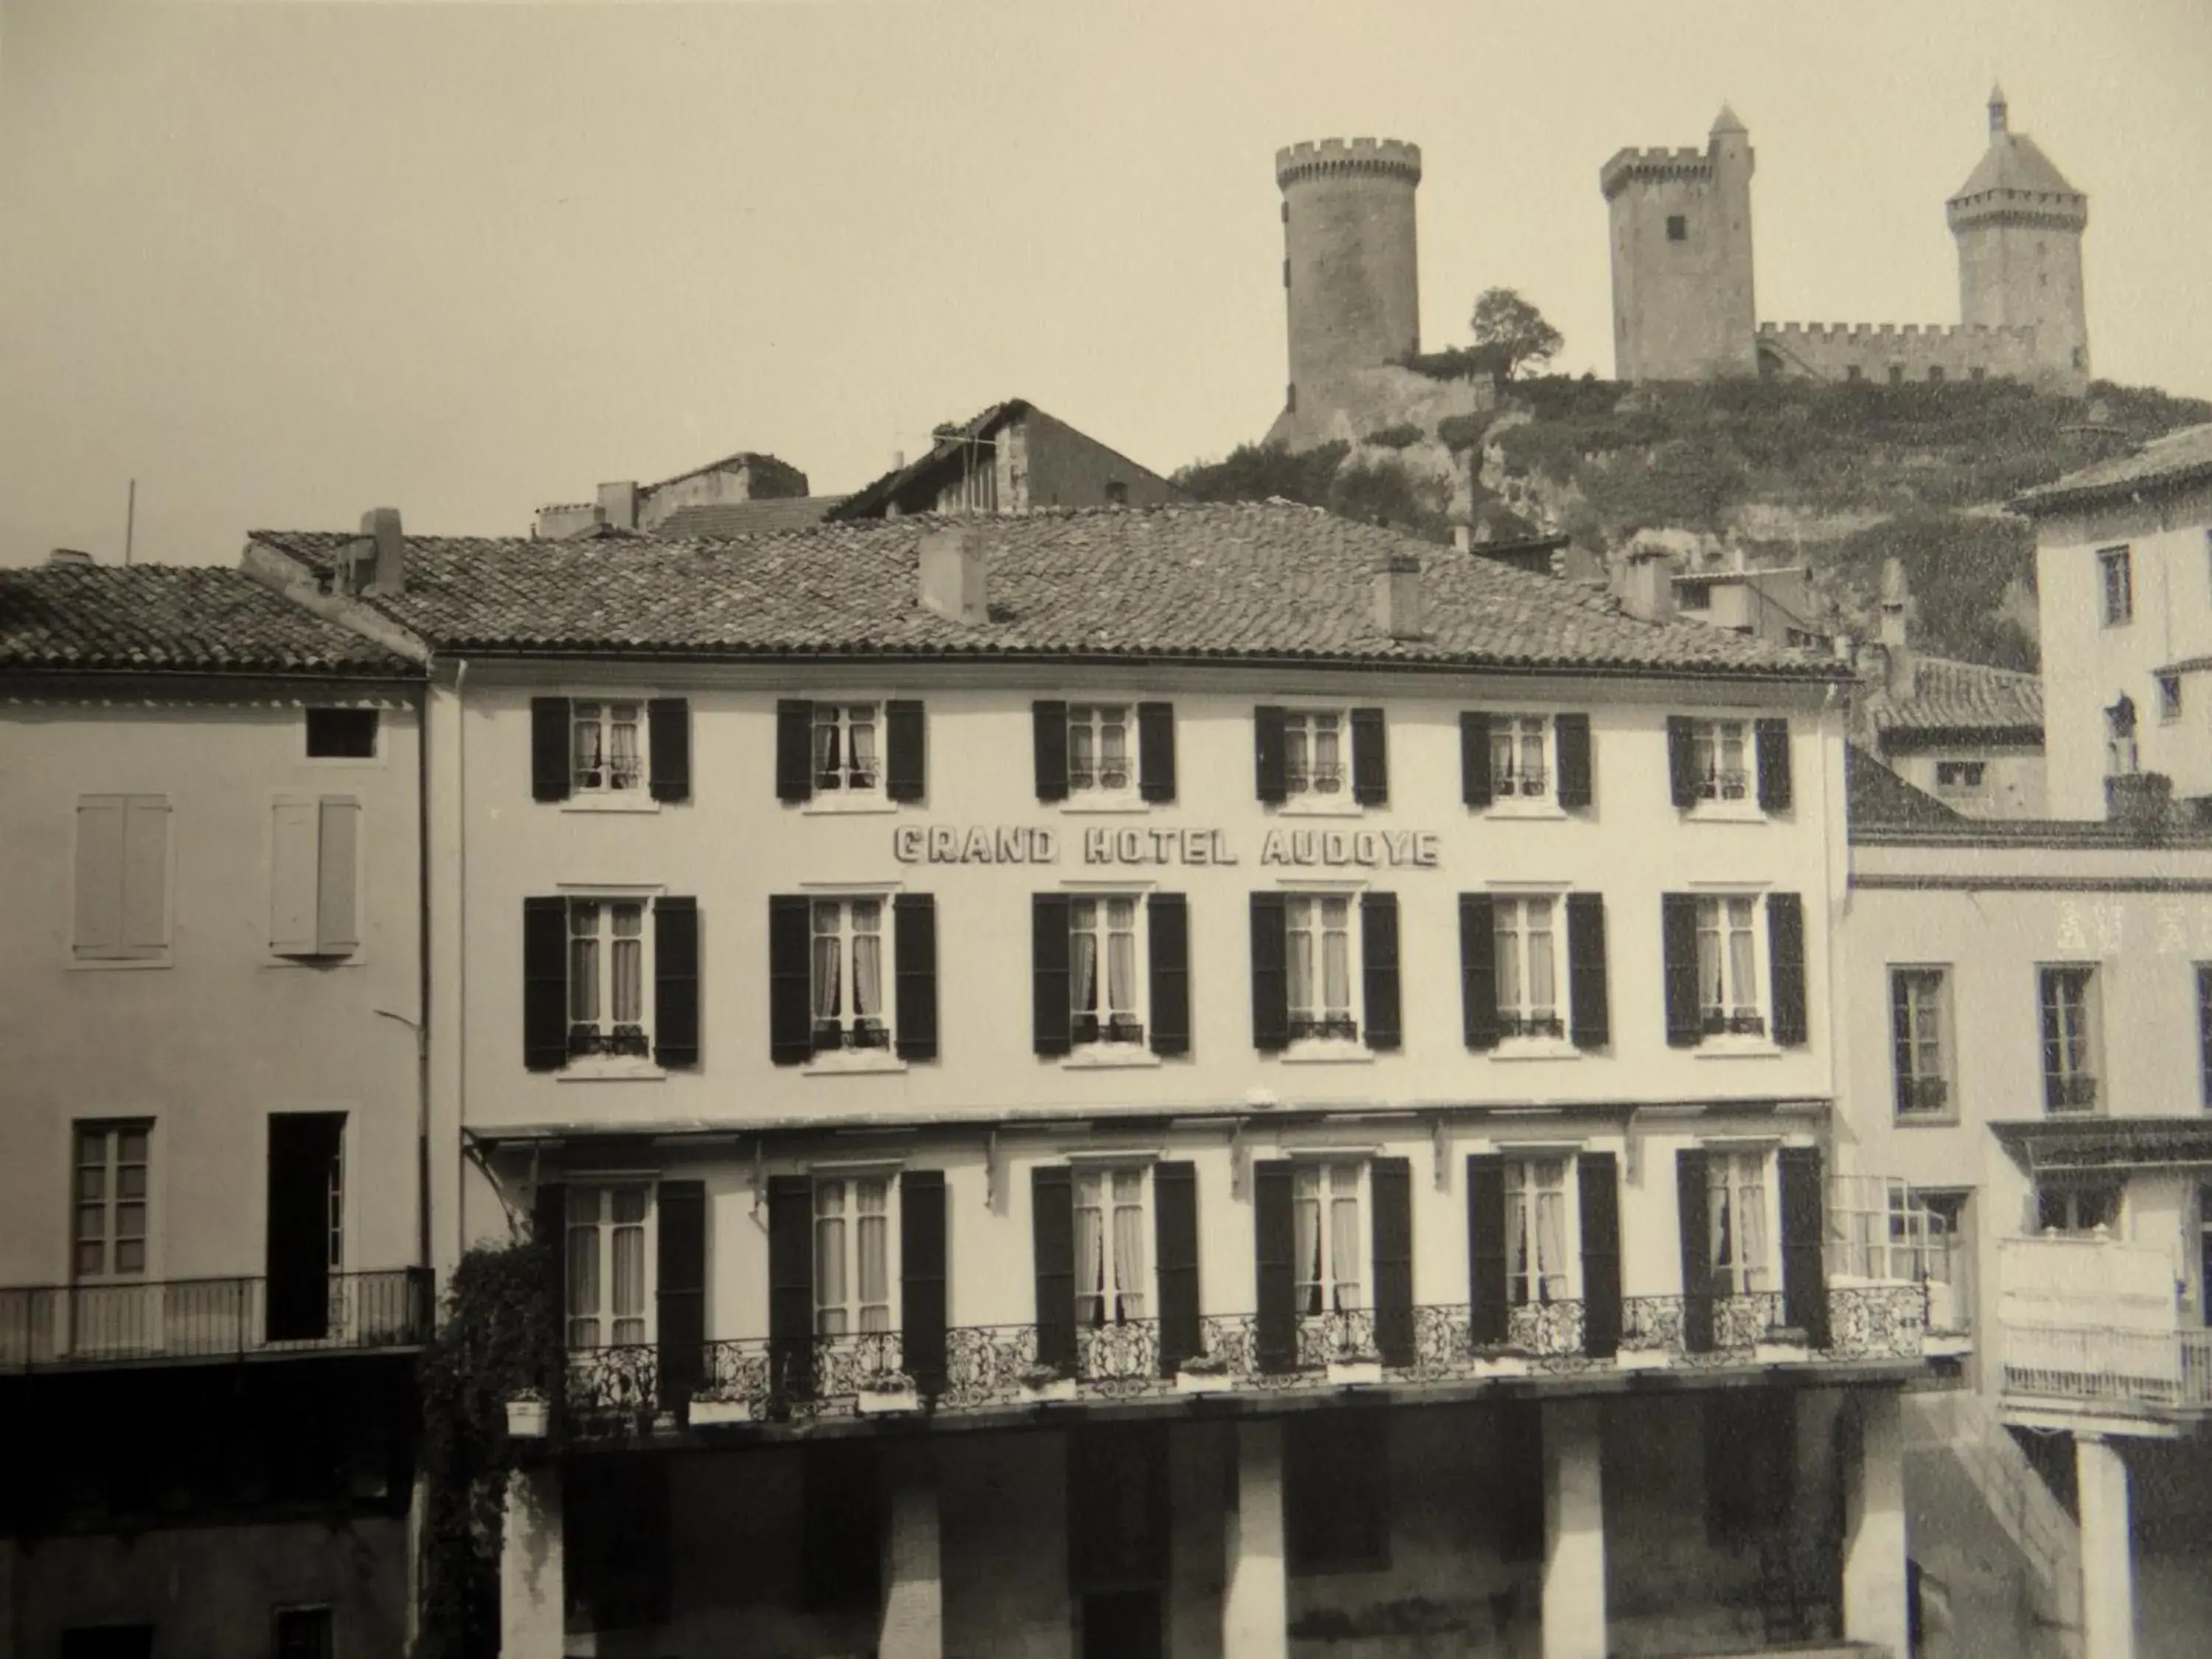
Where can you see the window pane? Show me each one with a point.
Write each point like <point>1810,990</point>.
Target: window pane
<point>1506,953</point>
<point>1336,972</point>
<point>868,975</point>
<point>628,1272</point>
<point>863,734</point>
<point>1301,965</point>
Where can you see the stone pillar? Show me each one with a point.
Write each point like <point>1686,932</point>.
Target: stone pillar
<point>1574,1530</point>
<point>914,1577</point>
<point>1196,1454</point>
<point>1875,1596</point>
<point>2108,1566</point>
<point>1254,1600</point>
<point>532,1604</point>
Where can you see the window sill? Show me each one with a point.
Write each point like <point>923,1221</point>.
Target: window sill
<point>1110,1057</point>
<point>98,964</point>
<point>1734,811</point>
<point>1927,1120</point>
<point>1307,806</point>
<point>1328,1051</point>
<point>1535,1049</point>
<point>1105,806</point>
<point>307,959</point>
<point>861,805</point>
<point>1738,1048</point>
<point>626,800</point>
<point>611,1069</point>
<point>853,1062</point>
<point>1539,807</point>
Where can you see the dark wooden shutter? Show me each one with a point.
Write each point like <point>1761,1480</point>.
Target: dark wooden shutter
<point>794,749</point>
<point>1271,973</point>
<point>676,982</point>
<point>1804,1275</point>
<point>544,983</point>
<point>1049,738</point>
<point>549,1236</point>
<point>1269,763</point>
<point>1485,1248</point>
<point>914,948</point>
<point>1052,1233</point>
<point>1167,916</point>
<point>1591,1014</point>
<point>1597,1176</point>
<point>1474,757</point>
<point>1570,735</point>
<point>921,1277</point>
<point>668,737</point>
<point>1370,760</point>
<point>1785,964</point>
<point>1771,740</point>
<point>1275,1241</point>
<point>1049,969</point>
<point>1678,938</point>
<point>1478,970</point>
<point>1156,752</point>
<point>791,1287</point>
<point>1681,760</point>
<point>549,748</point>
<point>1378,952</point>
<point>790,979</point>
<point>1175,1224</point>
<point>905,767</point>
<point>1390,1194</point>
<point>1692,1203</point>
<point>680,1287</point>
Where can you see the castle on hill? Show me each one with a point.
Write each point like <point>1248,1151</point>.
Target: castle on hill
<point>1682,290</point>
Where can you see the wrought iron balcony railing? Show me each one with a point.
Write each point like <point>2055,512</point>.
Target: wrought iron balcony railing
<point>996,1366</point>
<point>48,1327</point>
<point>2163,1370</point>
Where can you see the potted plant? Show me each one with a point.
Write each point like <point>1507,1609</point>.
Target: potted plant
<point>1784,1345</point>
<point>1047,1383</point>
<point>887,1394</point>
<point>1203,1373</point>
<point>713,1406</point>
<point>1351,1369</point>
<point>528,1415</point>
<point>1502,1359</point>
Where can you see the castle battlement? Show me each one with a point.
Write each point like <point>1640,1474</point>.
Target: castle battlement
<point>2055,210</point>
<point>1386,157</point>
<point>1863,334</point>
<point>1633,164</point>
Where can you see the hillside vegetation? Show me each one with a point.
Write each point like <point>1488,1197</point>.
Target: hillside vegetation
<point>1838,476</point>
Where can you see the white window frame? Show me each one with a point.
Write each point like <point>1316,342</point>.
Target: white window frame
<point>1510,913</point>
<point>1709,736</point>
<point>111,1200</point>
<point>1915,1038</point>
<point>608,1061</point>
<point>607,704</point>
<point>842,794</point>
<point>1962,787</point>
<point>1514,787</point>
<point>1131,1021</point>
<point>1301,728</point>
<point>1735,1008</point>
<point>1732,1273</point>
<point>1524,1235</point>
<point>2120,561</point>
<point>880,1045</point>
<point>852,1313</point>
<point>2081,1055</point>
<point>1093,716</point>
<point>1321,1172</point>
<point>2070,1194</point>
<point>1322,1044</point>
<point>1099,1192</point>
<point>604,1224</point>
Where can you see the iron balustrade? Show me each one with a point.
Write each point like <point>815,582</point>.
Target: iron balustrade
<point>43,1326</point>
<point>986,1367</point>
<point>2169,1370</point>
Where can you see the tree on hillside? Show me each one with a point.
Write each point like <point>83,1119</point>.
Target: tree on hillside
<point>1514,330</point>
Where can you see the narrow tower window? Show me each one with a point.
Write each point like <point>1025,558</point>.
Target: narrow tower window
<point>1678,227</point>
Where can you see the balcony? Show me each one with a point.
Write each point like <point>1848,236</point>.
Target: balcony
<point>2095,1327</point>
<point>997,1367</point>
<point>48,1327</point>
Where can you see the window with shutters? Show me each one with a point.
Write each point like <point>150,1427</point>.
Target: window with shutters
<point>609,990</point>
<point>314,886</point>
<point>847,972</point>
<point>110,1190</point>
<point>1520,759</point>
<point>1101,767</point>
<point>1720,759</point>
<point>855,1255</point>
<point>1542,1256</point>
<point>1920,1043</point>
<point>1731,995</point>
<point>1113,1221</point>
<point>1525,933</point>
<point>1105,991</point>
<point>607,752</point>
<point>1316,764</point>
<point>122,879</point>
<point>1329,1209</point>
<point>848,752</point>
<point>1324,988</point>
<point>1742,1221</point>
<point>610,1263</point>
<point>2068,997</point>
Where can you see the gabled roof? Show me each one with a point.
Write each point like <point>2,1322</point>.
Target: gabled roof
<point>2178,457</point>
<point>871,499</point>
<point>1960,700</point>
<point>1875,797</point>
<point>1258,582</point>
<point>723,520</point>
<point>153,618</point>
<point>744,458</point>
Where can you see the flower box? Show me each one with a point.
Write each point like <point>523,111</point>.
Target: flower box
<point>1501,1364</point>
<point>1355,1372</point>
<point>1203,1382</point>
<point>888,1399</point>
<point>1047,1386</point>
<point>1642,1359</point>
<point>706,1412</point>
<point>528,1418</point>
<point>1781,1350</point>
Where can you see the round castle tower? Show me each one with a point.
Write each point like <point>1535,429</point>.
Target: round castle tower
<point>2018,224</point>
<point>1353,287</point>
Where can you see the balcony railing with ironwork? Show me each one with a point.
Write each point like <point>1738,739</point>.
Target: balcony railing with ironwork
<point>181,1319</point>
<point>2163,1370</point>
<point>765,1380</point>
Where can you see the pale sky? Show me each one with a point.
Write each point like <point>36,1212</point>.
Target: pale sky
<point>282,262</point>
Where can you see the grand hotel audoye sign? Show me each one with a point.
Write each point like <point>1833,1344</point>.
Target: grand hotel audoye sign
<point>1400,849</point>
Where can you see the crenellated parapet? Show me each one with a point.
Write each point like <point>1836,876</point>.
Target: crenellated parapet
<point>1386,158</point>
<point>1637,166</point>
<point>2054,209</point>
<point>1908,351</point>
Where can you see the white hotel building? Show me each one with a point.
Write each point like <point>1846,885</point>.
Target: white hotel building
<point>1199,1081</point>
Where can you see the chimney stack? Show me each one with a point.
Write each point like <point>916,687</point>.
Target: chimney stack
<point>1648,584</point>
<point>1900,672</point>
<point>953,573</point>
<point>1398,597</point>
<point>618,504</point>
<point>70,555</point>
<point>385,554</point>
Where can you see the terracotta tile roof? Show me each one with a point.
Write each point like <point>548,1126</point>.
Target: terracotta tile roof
<point>1875,797</point>
<point>734,518</point>
<point>1252,581</point>
<point>2177,458</point>
<point>1960,698</point>
<point>150,618</point>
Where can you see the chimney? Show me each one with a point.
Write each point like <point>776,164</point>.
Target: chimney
<point>70,555</point>
<point>386,552</point>
<point>953,571</point>
<point>898,460</point>
<point>1900,672</point>
<point>1648,584</point>
<point>1398,597</point>
<point>618,504</point>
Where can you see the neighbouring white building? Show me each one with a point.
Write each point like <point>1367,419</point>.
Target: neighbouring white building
<point>1201,1080</point>
<point>214,1275</point>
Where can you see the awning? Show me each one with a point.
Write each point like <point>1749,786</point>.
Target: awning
<point>2045,1145</point>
